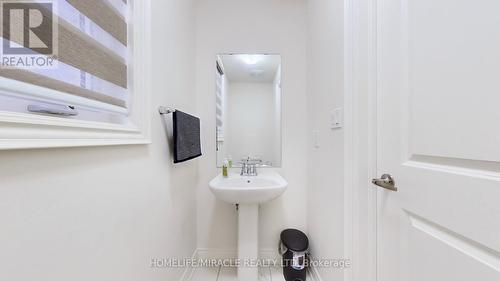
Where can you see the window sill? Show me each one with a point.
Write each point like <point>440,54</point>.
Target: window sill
<point>26,131</point>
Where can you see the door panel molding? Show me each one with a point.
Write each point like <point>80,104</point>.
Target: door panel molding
<point>475,250</point>
<point>487,170</point>
<point>448,47</point>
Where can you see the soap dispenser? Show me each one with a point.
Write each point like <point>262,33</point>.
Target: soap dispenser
<point>225,168</point>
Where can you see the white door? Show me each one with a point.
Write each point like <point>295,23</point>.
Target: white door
<point>438,109</point>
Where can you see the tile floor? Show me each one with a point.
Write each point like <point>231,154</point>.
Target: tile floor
<point>229,274</point>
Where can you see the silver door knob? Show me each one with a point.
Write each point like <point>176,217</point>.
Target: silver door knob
<point>386,181</point>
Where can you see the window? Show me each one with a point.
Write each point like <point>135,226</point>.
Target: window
<point>74,73</point>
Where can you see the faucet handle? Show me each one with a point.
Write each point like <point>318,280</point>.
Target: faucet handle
<point>249,166</point>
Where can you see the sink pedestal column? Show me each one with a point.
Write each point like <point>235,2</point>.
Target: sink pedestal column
<point>248,244</point>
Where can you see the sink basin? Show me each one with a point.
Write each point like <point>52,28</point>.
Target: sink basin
<point>238,189</point>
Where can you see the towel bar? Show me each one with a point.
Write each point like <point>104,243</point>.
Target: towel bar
<point>165,110</point>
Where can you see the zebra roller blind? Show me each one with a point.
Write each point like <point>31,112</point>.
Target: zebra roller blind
<point>84,44</point>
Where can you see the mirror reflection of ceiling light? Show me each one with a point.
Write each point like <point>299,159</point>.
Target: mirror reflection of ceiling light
<point>251,59</point>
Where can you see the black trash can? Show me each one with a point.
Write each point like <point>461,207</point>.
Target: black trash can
<point>294,248</point>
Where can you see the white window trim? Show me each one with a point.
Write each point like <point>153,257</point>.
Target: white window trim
<point>25,131</point>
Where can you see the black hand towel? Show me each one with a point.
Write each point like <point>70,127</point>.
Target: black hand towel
<point>187,143</point>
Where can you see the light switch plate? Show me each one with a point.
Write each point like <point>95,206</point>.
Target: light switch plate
<point>337,118</point>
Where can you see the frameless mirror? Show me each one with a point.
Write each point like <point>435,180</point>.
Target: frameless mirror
<point>248,109</point>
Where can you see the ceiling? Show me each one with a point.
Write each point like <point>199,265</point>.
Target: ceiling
<point>250,68</point>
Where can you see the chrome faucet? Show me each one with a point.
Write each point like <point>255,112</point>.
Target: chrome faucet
<point>249,166</point>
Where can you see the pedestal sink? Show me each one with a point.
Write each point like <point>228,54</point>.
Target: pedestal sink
<point>248,193</point>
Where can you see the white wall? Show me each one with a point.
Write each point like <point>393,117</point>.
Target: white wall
<point>103,213</point>
<point>325,92</point>
<point>257,26</point>
<point>251,127</point>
